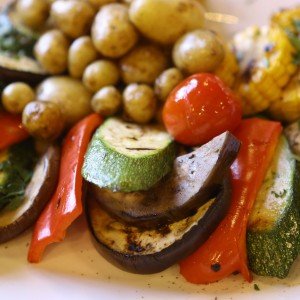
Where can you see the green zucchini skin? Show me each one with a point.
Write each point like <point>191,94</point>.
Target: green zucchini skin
<point>195,178</point>
<point>107,168</point>
<point>271,252</point>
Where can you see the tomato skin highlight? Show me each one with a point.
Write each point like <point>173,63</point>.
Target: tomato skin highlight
<point>200,108</point>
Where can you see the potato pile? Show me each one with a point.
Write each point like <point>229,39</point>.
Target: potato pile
<point>110,56</point>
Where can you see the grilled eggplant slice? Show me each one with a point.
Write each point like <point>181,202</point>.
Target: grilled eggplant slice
<point>37,194</point>
<point>150,251</point>
<point>196,178</point>
<point>22,68</point>
<point>16,50</point>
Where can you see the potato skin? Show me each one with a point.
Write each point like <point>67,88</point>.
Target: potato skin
<point>164,21</point>
<point>81,53</point>
<point>143,64</point>
<point>43,120</point>
<point>107,101</point>
<point>198,51</point>
<point>72,17</point>
<point>32,13</point>
<point>166,82</point>
<point>99,3</point>
<point>139,102</point>
<point>69,94</point>
<point>100,74</point>
<point>51,51</point>
<point>127,2</point>
<point>112,32</point>
<point>16,96</point>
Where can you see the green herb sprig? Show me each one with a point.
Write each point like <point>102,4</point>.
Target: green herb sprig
<point>17,171</point>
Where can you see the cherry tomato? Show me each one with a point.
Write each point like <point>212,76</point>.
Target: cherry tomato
<point>200,108</point>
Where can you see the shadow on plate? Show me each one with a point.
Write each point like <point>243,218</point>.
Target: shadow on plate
<point>76,260</point>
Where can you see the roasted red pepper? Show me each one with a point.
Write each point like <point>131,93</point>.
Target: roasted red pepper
<point>11,130</point>
<point>66,204</point>
<point>225,251</point>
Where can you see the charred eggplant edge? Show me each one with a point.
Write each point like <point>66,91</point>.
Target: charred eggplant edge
<point>171,214</point>
<point>9,75</point>
<point>50,162</point>
<point>190,241</point>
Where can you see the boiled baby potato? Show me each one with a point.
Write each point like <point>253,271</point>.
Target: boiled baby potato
<point>99,3</point>
<point>139,102</point>
<point>73,17</point>
<point>107,101</point>
<point>72,98</point>
<point>43,120</point>
<point>112,32</point>
<point>164,21</point>
<point>81,53</point>
<point>16,96</point>
<point>32,13</point>
<point>99,74</point>
<point>143,64</point>
<point>166,82</point>
<point>198,51</point>
<point>51,51</point>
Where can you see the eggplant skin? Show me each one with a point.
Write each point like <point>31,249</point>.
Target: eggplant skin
<point>39,191</point>
<point>10,75</point>
<point>180,249</point>
<point>196,178</point>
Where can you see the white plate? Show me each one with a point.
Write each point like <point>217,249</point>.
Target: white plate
<point>74,270</point>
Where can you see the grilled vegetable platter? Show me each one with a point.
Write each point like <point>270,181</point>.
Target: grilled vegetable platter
<point>177,145</point>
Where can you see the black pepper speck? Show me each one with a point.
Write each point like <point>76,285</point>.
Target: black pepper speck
<point>216,267</point>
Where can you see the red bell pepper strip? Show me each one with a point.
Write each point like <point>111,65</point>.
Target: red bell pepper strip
<point>66,203</point>
<point>11,130</point>
<point>225,251</point>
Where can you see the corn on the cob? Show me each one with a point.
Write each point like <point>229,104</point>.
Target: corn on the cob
<point>265,58</point>
<point>288,19</point>
<point>287,109</point>
<point>228,68</point>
